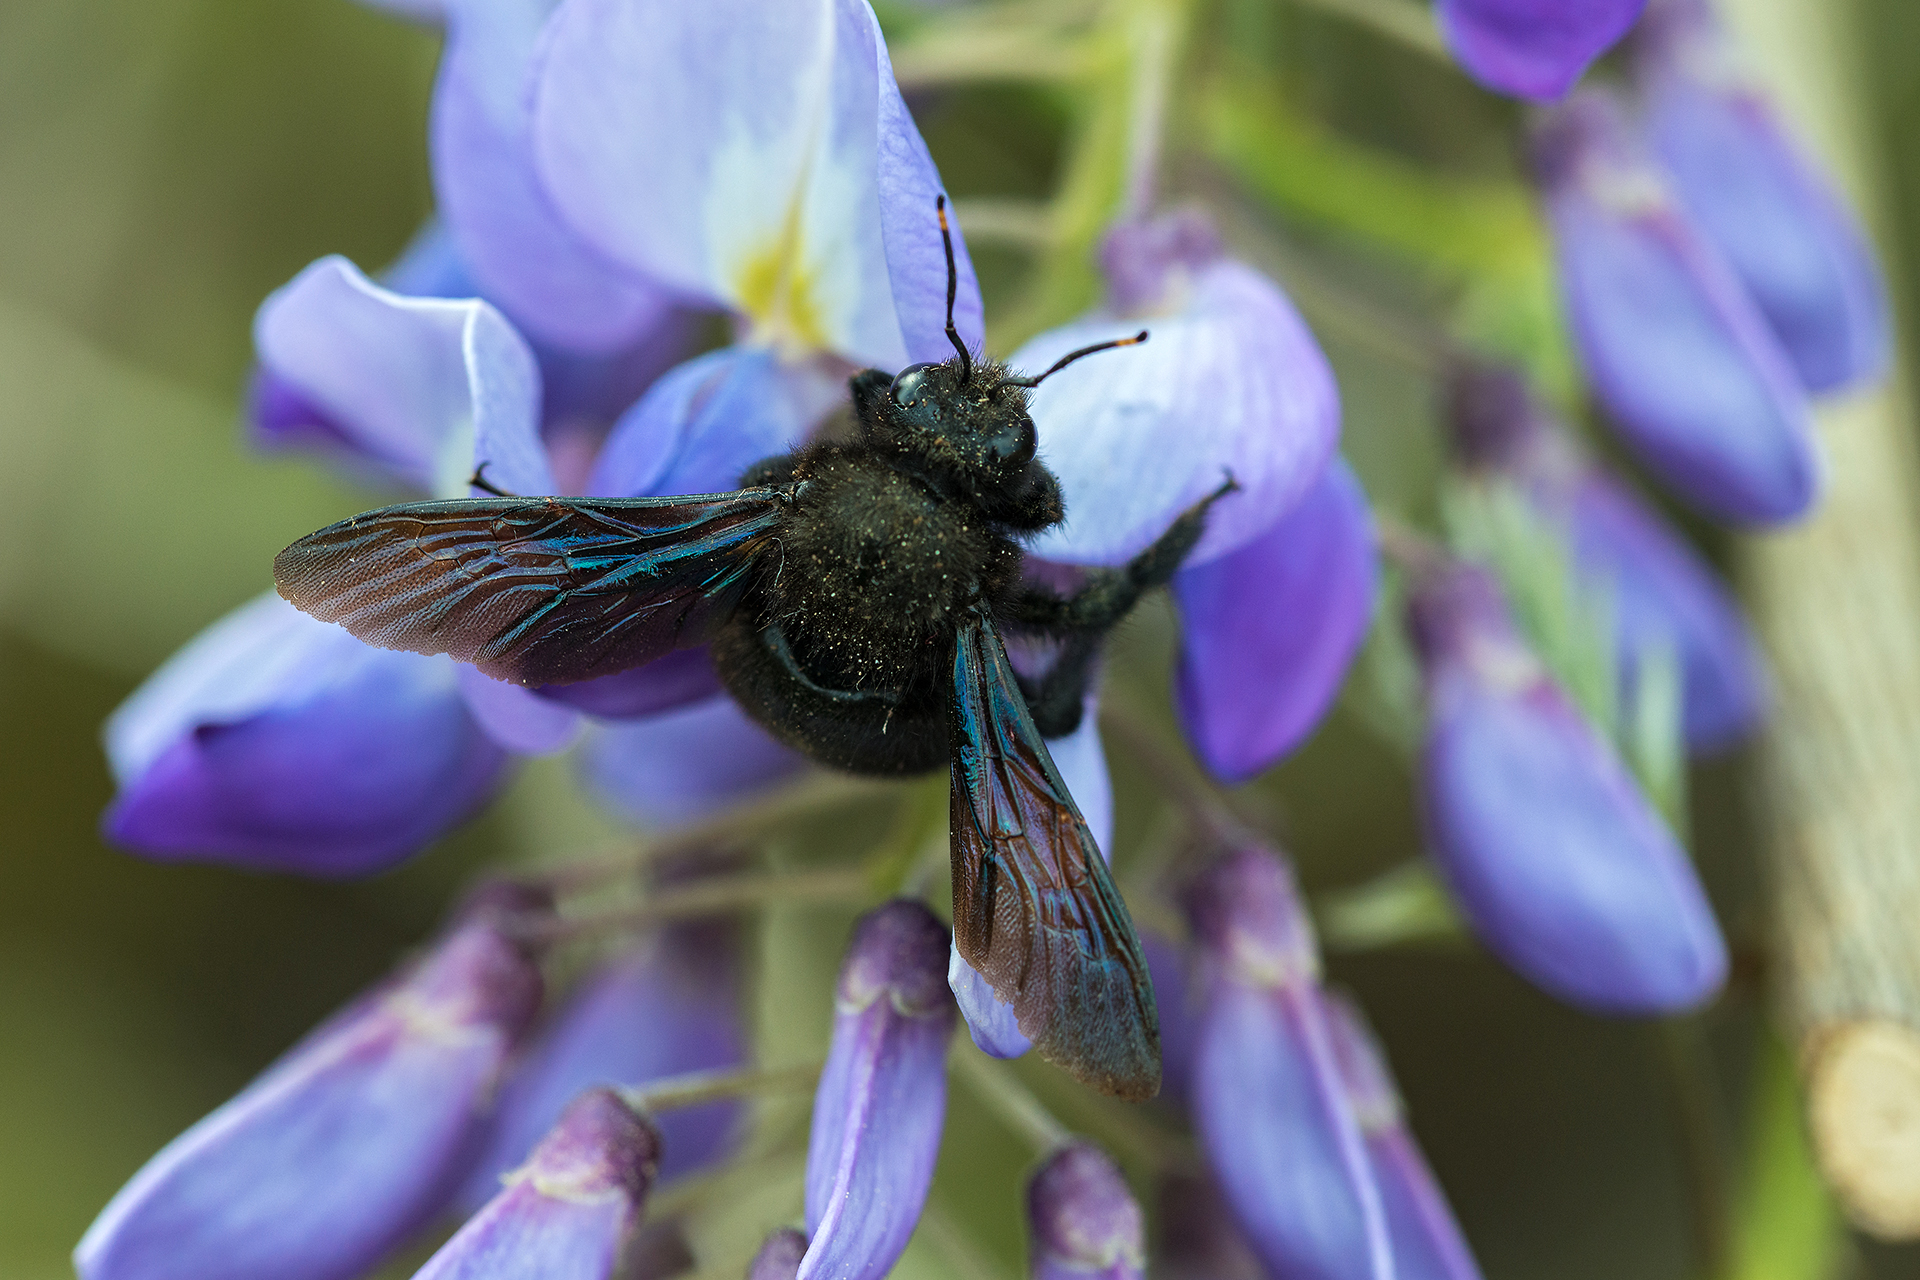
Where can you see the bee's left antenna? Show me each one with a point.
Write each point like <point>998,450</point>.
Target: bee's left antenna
<point>953,287</point>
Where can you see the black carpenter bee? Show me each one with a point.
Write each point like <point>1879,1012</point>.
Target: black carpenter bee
<point>854,595</point>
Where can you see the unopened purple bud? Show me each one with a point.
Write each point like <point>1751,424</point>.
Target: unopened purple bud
<point>570,1211</point>
<point>1150,264</point>
<point>344,1147</point>
<point>1553,853</point>
<point>779,1258</point>
<point>1493,422</point>
<point>1427,1244</point>
<point>1532,49</point>
<point>1084,1220</point>
<point>1677,352</point>
<point>882,1098</point>
<point>1267,1096</point>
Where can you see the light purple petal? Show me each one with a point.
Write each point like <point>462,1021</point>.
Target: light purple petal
<point>990,1020</point>
<point>683,677</point>
<point>1684,363</point>
<point>766,121</point>
<point>881,1102</point>
<point>522,256</point>
<point>668,1005</point>
<point>1269,630</point>
<point>708,420</point>
<point>685,763</point>
<point>422,387</point>
<point>1231,383</point>
<point>430,266</point>
<point>1800,254</point>
<point>1083,1220</point>
<point>571,1212</point>
<point>1533,49</point>
<point>516,717</point>
<point>1557,860</point>
<point>340,1150</point>
<point>1664,594</point>
<point>278,742</point>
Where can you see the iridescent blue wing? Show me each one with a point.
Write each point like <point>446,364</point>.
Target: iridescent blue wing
<point>1034,908</point>
<point>537,590</point>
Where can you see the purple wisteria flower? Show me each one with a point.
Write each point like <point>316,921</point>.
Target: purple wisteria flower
<point>1675,348</point>
<point>571,1211</point>
<point>344,1147</point>
<point>1083,1221</point>
<point>1556,858</point>
<point>1661,593</point>
<point>1533,49</point>
<point>882,1098</point>
<point>779,1258</point>
<point>1795,247</point>
<point>1427,1244</point>
<point>1267,1097</point>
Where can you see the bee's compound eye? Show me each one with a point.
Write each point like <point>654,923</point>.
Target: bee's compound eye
<point>907,384</point>
<point>1016,443</point>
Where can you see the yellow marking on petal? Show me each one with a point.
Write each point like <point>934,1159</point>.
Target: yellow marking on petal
<point>776,291</point>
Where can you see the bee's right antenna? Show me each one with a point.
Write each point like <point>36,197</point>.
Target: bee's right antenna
<point>953,287</point>
<point>1071,356</point>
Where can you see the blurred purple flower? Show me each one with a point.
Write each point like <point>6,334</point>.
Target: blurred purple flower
<point>1557,860</point>
<point>1677,352</point>
<point>1795,247</point>
<point>1198,1238</point>
<point>1427,1244</point>
<point>1083,1221</point>
<point>1533,49</point>
<point>1267,1098</point>
<point>779,1258</point>
<point>1231,382</point>
<point>1662,593</point>
<point>684,763</point>
<point>345,1146</point>
<point>571,1211</point>
<point>1168,963</point>
<point>1268,630</point>
<point>882,1098</point>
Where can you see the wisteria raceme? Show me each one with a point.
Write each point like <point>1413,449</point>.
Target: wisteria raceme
<point>1556,858</point>
<point>1677,352</point>
<point>1084,1220</point>
<point>347,1145</point>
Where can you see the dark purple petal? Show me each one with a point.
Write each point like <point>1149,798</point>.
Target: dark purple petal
<point>1084,1222</point>
<point>882,1097</point>
<point>516,717</point>
<point>708,420</point>
<point>422,388</point>
<point>683,677</point>
<point>795,172</point>
<point>280,743</point>
<point>1557,860</point>
<point>344,1147</point>
<point>1533,49</point>
<point>1267,1096</point>
<point>571,1212</point>
<point>1663,594</point>
<point>1794,246</point>
<point>684,763</point>
<point>1427,1244</point>
<point>1268,630</point>
<point>779,1258</point>
<point>518,251</point>
<point>1676,350</point>
<point>669,1005</point>
<point>1231,382</point>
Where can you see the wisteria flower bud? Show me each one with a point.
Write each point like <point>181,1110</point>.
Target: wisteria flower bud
<point>343,1148</point>
<point>882,1097</point>
<point>779,1258</point>
<point>1267,1097</point>
<point>570,1212</point>
<point>1084,1222</point>
<point>1684,363</point>
<point>1427,1244</point>
<point>1533,49</point>
<point>1796,248</point>
<point>1554,855</point>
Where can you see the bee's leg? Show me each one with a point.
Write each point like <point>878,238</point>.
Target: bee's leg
<point>768,471</point>
<point>479,481</point>
<point>1058,699</point>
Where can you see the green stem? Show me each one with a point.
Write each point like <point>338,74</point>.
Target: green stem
<point>696,1087</point>
<point>994,1084</point>
<point>1407,24</point>
<point>717,896</point>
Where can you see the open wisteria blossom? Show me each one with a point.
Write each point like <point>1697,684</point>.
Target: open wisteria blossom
<point>689,267</point>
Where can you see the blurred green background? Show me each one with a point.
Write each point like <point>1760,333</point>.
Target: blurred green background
<point>166,163</point>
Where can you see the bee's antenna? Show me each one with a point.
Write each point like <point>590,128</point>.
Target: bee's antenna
<point>953,287</point>
<point>1071,356</point>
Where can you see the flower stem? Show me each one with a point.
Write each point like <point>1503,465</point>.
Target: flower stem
<point>717,896</point>
<point>1407,24</point>
<point>995,1085</point>
<point>696,1087</point>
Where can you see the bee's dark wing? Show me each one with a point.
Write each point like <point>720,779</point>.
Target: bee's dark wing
<point>1034,909</point>
<point>536,590</point>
